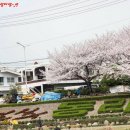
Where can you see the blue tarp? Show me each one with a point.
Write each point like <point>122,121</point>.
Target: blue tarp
<point>50,96</point>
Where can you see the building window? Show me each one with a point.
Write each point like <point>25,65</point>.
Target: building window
<point>19,79</point>
<point>40,72</point>
<point>1,80</point>
<point>10,79</point>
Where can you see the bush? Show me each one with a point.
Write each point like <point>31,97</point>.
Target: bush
<point>112,81</point>
<point>102,89</point>
<point>24,126</point>
<point>113,105</point>
<point>118,119</point>
<point>67,114</point>
<point>81,120</point>
<point>113,100</point>
<point>12,95</point>
<point>78,103</point>
<point>73,109</point>
<point>84,91</point>
<point>81,102</point>
<point>127,109</point>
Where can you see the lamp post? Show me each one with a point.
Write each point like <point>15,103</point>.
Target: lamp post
<point>24,47</point>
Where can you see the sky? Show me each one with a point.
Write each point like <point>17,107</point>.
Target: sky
<point>41,32</point>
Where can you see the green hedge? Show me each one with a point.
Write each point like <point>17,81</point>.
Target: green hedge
<point>127,109</point>
<point>24,126</point>
<point>70,105</point>
<point>20,104</point>
<point>67,114</point>
<point>78,119</point>
<point>68,100</point>
<point>116,104</point>
<point>109,110</point>
<point>111,106</point>
<point>81,102</point>
<point>82,120</point>
<point>73,109</point>
<point>112,100</point>
<point>106,115</point>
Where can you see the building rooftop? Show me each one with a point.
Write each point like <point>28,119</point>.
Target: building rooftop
<point>4,70</point>
<point>35,65</point>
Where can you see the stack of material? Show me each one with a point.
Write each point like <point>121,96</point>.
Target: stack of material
<point>51,96</point>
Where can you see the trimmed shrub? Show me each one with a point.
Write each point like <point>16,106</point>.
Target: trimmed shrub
<point>71,113</point>
<point>111,106</point>
<point>81,102</point>
<point>73,109</point>
<point>127,109</point>
<point>112,100</point>
<point>71,105</point>
<point>24,126</point>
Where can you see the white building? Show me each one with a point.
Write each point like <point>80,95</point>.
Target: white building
<point>34,72</point>
<point>7,78</point>
<point>36,75</point>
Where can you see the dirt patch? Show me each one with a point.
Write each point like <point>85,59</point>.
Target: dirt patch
<point>96,107</point>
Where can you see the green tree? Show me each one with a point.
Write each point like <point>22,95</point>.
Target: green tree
<point>11,97</point>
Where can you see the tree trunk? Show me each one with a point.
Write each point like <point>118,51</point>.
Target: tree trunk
<point>89,85</point>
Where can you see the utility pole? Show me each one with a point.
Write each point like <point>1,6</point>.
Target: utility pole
<point>24,47</point>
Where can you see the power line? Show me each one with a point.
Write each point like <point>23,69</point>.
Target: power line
<point>66,15</point>
<point>70,34</point>
<point>22,61</point>
<point>38,10</point>
<point>82,31</point>
<point>64,11</point>
<point>61,12</point>
<point>43,10</point>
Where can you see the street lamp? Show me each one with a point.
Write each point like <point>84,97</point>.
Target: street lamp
<point>24,47</point>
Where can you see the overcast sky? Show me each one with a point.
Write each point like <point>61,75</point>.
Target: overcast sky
<point>48,35</point>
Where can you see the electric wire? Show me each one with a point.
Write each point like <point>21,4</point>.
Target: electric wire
<point>61,12</point>
<point>69,34</point>
<point>22,61</point>
<point>42,10</point>
<point>66,15</point>
<point>82,31</point>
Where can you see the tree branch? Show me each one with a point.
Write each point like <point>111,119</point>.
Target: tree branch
<point>93,77</point>
<point>79,76</point>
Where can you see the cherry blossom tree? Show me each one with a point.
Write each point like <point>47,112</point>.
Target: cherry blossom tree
<point>106,54</point>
